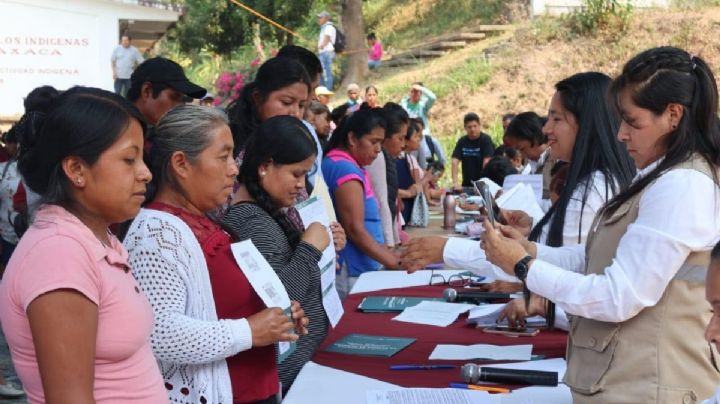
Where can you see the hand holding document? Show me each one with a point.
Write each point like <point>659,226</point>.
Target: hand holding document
<point>311,211</point>
<point>265,282</point>
<point>440,314</point>
<point>482,351</point>
<point>522,197</point>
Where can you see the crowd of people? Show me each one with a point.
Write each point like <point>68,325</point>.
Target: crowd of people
<point>118,213</point>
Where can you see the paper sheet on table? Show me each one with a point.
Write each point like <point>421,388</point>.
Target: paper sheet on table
<point>435,396</point>
<point>265,282</point>
<point>521,197</point>
<point>311,211</point>
<point>440,314</point>
<point>487,314</point>
<point>535,181</point>
<point>337,386</point>
<point>482,351</point>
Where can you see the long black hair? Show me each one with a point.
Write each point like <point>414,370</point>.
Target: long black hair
<point>360,123</point>
<point>596,149</point>
<point>82,122</point>
<point>281,140</point>
<point>661,76</point>
<point>274,74</point>
<point>527,126</point>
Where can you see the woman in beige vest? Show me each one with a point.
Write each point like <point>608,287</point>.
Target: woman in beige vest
<point>636,292</point>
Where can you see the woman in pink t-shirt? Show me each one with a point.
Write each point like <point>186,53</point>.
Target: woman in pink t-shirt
<point>77,325</point>
<point>375,52</point>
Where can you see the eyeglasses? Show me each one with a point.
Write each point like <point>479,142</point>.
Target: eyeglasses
<point>456,280</point>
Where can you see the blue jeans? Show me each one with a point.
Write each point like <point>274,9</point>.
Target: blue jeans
<point>122,86</point>
<point>373,64</point>
<point>326,60</point>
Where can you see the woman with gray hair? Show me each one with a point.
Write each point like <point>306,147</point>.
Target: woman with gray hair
<point>213,337</point>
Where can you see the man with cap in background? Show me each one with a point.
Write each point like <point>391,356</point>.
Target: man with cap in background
<point>323,95</point>
<point>158,85</point>
<point>326,48</point>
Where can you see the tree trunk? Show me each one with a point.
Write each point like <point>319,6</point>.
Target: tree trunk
<point>354,30</point>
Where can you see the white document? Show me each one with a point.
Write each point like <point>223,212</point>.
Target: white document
<point>311,211</point>
<point>318,384</point>
<point>521,197</point>
<point>535,181</point>
<point>492,186</point>
<point>265,282</point>
<point>482,351</point>
<point>440,314</point>
<point>435,396</point>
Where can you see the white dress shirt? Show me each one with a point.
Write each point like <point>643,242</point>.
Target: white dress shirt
<point>464,253</point>
<point>715,399</point>
<point>678,214</point>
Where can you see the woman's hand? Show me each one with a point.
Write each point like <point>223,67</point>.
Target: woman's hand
<point>301,321</point>
<point>316,235</point>
<point>502,287</point>
<point>518,220</point>
<point>501,250</point>
<point>419,252</point>
<point>339,238</point>
<point>271,325</point>
<point>516,313</point>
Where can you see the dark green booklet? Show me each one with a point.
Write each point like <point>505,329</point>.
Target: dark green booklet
<point>385,304</point>
<point>369,345</point>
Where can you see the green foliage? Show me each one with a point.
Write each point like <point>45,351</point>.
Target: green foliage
<point>469,75</point>
<point>610,16</point>
<point>220,26</point>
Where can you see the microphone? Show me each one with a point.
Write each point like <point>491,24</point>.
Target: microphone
<point>453,296</point>
<point>472,373</point>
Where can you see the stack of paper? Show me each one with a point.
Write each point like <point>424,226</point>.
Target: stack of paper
<point>435,313</point>
<point>486,315</point>
<point>521,197</point>
<point>435,396</point>
<point>384,304</point>
<point>482,351</point>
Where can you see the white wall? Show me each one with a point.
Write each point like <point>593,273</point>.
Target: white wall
<point>555,7</point>
<point>60,43</point>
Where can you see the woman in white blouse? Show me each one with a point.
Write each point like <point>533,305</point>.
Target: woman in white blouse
<point>637,291</point>
<point>580,131</point>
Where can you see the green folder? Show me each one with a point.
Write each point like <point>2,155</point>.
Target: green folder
<point>369,345</point>
<point>385,304</point>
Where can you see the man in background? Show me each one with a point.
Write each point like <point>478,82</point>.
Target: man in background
<point>125,58</point>
<point>326,48</point>
<point>473,151</point>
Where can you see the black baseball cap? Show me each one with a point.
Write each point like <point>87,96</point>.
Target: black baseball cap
<point>165,71</point>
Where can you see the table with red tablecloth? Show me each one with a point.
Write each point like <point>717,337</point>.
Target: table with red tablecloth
<point>548,343</point>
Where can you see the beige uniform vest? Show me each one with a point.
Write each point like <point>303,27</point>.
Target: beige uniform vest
<point>658,356</point>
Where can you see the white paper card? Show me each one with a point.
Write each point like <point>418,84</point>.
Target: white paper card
<point>435,396</point>
<point>265,282</point>
<point>521,197</point>
<point>311,211</point>
<point>439,314</point>
<point>482,351</point>
<point>535,181</point>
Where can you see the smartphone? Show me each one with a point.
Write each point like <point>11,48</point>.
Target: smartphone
<point>493,210</point>
<point>512,331</point>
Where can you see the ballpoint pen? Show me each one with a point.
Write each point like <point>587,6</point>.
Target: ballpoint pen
<point>489,389</point>
<point>421,367</point>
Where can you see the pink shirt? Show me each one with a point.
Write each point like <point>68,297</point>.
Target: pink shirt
<point>376,51</point>
<point>60,252</point>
